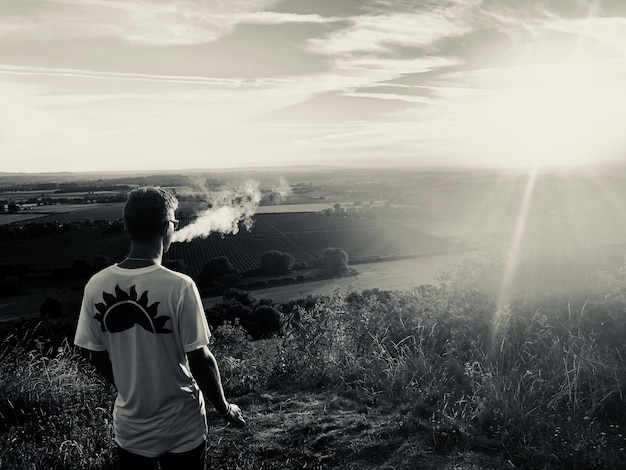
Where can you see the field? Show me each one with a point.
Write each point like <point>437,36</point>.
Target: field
<point>305,236</point>
<point>62,249</point>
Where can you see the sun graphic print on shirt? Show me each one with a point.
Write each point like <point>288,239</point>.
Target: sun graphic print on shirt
<point>123,311</point>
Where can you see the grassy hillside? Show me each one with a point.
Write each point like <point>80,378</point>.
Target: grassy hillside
<point>435,377</point>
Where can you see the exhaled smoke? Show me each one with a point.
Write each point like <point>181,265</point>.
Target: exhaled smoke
<point>227,210</point>
<point>278,193</point>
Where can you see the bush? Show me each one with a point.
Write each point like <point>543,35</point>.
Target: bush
<point>258,319</point>
<point>269,320</point>
<point>276,262</point>
<point>218,274</point>
<point>335,261</point>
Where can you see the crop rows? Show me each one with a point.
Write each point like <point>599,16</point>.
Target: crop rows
<point>305,237</point>
<point>243,251</point>
<point>304,222</point>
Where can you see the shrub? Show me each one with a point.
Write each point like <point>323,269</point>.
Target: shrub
<point>276,262</point>
<point>335,261</point>
<point>269,320</point>
<point>258,319</point>
<point>218,274</point>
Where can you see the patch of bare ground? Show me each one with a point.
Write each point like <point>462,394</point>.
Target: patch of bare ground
<point>296,430</point>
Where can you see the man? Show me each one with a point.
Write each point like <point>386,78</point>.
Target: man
<point>146,329</point>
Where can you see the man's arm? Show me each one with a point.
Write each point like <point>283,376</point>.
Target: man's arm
<point>102,363</point>
<point>207,374</point>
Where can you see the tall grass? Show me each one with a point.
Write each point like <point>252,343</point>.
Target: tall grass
<point>541,381</point>
<point>54,412</point>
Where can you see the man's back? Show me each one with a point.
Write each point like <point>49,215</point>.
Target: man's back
<point>147,319</point>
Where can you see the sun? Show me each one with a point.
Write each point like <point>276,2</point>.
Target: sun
<point>558,115</point>
<point>122,311</point>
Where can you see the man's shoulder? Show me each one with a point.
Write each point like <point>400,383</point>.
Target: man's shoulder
<point>102,274</point>
<point>175,275</point>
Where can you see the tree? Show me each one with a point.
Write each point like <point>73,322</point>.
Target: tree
<point>335,261</point>
<point>218,273</point>
<point>276,262</point>
<point>177,265</point>
<point>241,296</point>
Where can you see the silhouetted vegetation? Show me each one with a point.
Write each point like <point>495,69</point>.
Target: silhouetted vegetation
<point>276,262</point>
<point>259,319</point>
<point>335,261</point>
<point>217,275</point>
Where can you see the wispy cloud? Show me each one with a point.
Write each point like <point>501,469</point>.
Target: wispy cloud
<point>222,83</point>
<point>275,18</point>
<point>148,22</point>
<point>17,70</point>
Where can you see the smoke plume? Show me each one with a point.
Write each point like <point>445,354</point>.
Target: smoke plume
<point>227,209</point>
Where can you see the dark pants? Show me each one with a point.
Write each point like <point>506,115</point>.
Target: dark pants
<point>194,459</point>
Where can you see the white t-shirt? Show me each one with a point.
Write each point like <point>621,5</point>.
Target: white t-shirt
<point>147,319</point>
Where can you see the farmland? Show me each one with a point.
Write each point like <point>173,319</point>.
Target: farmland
<point>305,236</point>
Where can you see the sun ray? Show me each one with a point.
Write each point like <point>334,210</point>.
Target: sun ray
<point>515,246</point>
<point>491,214</point>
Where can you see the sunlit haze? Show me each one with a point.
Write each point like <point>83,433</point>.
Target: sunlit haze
<point>151,85</point>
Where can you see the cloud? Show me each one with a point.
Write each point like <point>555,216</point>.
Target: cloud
<point>228,83</point>
<point>147,22</point>
<point>380,34</point>
<point>274,18</point>
<point>17,70</point>
<point>609,33</point>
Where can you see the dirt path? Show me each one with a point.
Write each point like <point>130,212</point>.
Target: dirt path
<point>319,431</point>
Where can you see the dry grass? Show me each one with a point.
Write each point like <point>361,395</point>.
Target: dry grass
<point>431,378</point>
<point>55,412</point>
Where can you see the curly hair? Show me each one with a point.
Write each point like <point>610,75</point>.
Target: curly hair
<point>145,212</point>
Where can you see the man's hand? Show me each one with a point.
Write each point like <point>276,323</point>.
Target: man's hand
<point>234,416</point>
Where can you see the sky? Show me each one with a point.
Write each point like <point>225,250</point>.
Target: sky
<point>89,85</point>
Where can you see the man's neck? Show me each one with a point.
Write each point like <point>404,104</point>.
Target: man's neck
<point>151,252</point>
